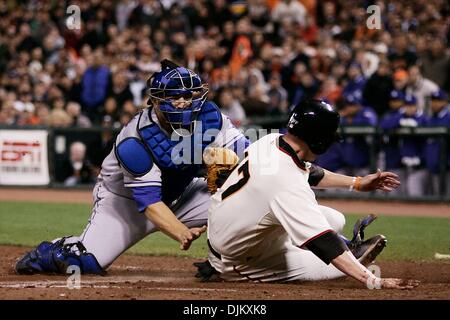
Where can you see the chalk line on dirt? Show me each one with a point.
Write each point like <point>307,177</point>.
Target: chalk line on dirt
<point>99,285</point>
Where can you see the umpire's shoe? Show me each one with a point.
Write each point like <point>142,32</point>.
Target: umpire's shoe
<point>366,251</point>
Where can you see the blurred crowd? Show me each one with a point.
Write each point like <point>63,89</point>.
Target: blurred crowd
<point>259,57</point>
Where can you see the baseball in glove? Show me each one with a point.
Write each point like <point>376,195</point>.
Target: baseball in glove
<point>219,163</point>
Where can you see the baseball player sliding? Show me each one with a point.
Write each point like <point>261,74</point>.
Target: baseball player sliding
<point>150,180</point>
<point>265,224</point>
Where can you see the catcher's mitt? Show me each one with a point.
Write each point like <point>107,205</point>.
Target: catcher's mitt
<point>219,163</point>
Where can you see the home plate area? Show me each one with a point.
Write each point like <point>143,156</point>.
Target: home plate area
<point>134,277</point>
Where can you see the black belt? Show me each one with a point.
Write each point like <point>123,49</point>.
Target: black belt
<point>214,252</point>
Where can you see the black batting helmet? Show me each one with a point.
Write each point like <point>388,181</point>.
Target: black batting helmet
<point>316,123</point>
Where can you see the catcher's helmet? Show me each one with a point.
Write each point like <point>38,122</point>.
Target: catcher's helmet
<point>316,123</point>
<point>172,83</point>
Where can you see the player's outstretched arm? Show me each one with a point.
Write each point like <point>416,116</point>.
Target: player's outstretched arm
<point>164,219</point>
<point>330,248</point>
<point>385,181</point>
<point>348,264</point>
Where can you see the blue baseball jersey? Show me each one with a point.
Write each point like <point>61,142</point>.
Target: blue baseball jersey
<point>433,145</point>
<point>404,151</point>
<point>353,151</point>
<point>355,88</point>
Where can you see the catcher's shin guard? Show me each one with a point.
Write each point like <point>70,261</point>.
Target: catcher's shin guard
<point>56,257</point>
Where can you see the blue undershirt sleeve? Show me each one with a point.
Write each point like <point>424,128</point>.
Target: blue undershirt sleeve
<point>145,196</point>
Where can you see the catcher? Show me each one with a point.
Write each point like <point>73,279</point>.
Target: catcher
<point>264,222</point>
<point>152,179</point>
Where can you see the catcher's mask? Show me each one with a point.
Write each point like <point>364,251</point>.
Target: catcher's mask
<point>167,88</point>
<point>316,123</point>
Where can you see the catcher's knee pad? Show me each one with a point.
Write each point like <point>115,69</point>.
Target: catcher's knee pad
<point>56,257</point>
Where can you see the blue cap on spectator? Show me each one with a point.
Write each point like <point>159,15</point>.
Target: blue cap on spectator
<point>439,95</point>
<point>355,65</point>
<point>397,95</point>
<point>410,99</point>
<point>351,99</point>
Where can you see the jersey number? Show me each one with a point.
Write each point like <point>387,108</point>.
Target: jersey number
<point>243,169</point>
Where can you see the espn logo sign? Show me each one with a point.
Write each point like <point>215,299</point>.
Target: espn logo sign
<point>23,157</point>
<point>20,151</point>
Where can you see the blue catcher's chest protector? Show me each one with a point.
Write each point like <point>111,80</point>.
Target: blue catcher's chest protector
<point>171,154</point>
<point>181,160</point>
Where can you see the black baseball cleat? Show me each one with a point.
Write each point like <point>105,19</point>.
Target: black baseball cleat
<point>206,272</point>
<point>366,251</point>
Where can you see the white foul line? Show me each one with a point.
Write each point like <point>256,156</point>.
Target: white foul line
<point>101,285</point>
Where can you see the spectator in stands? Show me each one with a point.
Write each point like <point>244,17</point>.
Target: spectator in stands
<point>400,78</point>
<point>103,143</point>
<point>356,82</point>
<point>124,118</point>
<point>436,63</point>
<point>330,90</point>
<point>76,169</point>
<point>8,113</point>
<point>420,87</point>
<point>59,118</point>
<point>290,11</point>
<point>355,151</point>
<point>58,104</point>
<point>256,102</point>
<point>231,107</point>
<point>390,144</point>
<point>440,117</point>
<point>129,108</point>
<point>42,114</point>
<point>332,159</point>
<point>111,112</point>
<point>278,97</point>
<point>378,88</point>
<point>120,91</point>
<point>401,56</point>
<point>73,109</point>
<point>411,149</point>
<point>307,88</point>
<point>309,43</point>
<point>95,85</point>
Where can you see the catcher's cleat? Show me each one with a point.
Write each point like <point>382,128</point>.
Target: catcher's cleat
<point>360,225</point>
<point>29,263</point>
<point>206,272</point>
<point>56,257</point>
<point>366,251</point>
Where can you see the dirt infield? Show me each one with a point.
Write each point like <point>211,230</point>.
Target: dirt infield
<point>141,277</point>
<point>138,277</point>
<point>347,206</point>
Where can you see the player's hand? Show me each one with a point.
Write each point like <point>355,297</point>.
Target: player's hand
<point>188,237</point>
<point>401,284</point>
<point>385,181</point>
